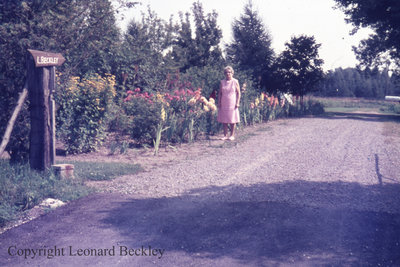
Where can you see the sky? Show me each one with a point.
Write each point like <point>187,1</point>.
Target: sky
<point>282,18</point>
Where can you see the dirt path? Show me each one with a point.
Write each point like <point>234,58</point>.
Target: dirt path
<point>310,191</point>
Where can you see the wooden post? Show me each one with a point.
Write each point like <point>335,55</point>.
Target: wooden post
<point>41,79</point>
<point>52,114</point>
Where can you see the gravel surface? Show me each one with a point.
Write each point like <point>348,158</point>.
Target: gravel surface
<point>352,150</point>
<point>302,192</point>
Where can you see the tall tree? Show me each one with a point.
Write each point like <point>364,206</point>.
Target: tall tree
<point>299,65</point>
<point>201,47</point>
<point>141,59</point>
<point>251,45</point>
<point>382,16</point>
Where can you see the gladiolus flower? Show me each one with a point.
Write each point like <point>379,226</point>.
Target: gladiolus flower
<point>192,101</point>
<point>127,98</point>
<point>203,100</point>
<point>276,102</point>
<point>163,114</point>
<point>212,106</point>
<point>257,101</point>
<point>252,105</point>
<point>206,108</point>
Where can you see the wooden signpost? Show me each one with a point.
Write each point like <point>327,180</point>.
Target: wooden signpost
<point>41,85</point>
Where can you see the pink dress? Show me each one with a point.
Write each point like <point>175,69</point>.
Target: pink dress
<point>227,113</point>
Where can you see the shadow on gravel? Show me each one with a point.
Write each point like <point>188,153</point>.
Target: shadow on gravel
<point>362,116</point>
<point>293,222</point>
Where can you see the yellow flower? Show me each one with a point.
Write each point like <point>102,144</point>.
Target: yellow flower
<point>203,100</point>
<point>206,109</point>
<point>212,106</point>
<point>192,101</point>
<point>163,114</point>
<point>262,97</point>
<point>159,97</point>
<point>257,101</point>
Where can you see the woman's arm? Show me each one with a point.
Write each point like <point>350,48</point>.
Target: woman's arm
<point>219,95</point>
<point>237,94</point>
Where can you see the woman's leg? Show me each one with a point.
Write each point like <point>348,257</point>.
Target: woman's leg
<point>232,129</point>
<point>225,129</point>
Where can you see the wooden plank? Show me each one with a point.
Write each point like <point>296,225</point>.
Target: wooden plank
<point>46,59</point>
<point>11,122</point>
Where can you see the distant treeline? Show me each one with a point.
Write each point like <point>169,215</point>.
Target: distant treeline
<point>352,82</point>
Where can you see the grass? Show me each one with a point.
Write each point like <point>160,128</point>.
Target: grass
<point>350,105</point>
<point>22,188</point>
<point>99,171</point>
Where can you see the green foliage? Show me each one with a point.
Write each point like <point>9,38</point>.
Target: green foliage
<point>202,47</point>
<point>141,61</point>
<point>352,82</point>
<point>207,78</point>
<point>84,32</point>
<point>251,46</point>
<point>82,116</point>
<point>100,171</point>
<point>144,117</point>
<point>22,188</point>
<point>299,66</point>
<point>383,46</point>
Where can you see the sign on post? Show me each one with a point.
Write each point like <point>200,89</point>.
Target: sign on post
<point>41,83</point>
<point>46,59</point>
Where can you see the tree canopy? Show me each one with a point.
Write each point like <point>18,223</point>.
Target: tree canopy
<point>251,45</point>
<point>299,66</point>
<point>382,16</point>
<point>201,47</point>
<point>352,82</point>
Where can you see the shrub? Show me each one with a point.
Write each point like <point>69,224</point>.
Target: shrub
<point>143,116</point>
<point>82,114</point>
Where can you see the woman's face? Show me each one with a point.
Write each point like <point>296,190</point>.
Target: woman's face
<point>228,74</point>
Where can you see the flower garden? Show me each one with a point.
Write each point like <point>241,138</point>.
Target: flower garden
<point>92,107</point>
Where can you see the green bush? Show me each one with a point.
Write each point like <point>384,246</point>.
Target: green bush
<point>143,116</point>
<point>82,114</point>
<point>310,107</point>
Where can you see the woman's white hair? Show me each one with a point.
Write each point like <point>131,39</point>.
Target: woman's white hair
<point>229,68</point>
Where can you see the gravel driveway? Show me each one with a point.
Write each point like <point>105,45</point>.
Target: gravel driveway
<point>300,192</point>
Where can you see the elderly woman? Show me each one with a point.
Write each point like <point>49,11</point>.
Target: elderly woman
<point>228,103</point>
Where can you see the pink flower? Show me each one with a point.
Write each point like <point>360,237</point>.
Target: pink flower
<point>137,89</point>
<point>129,92</point>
